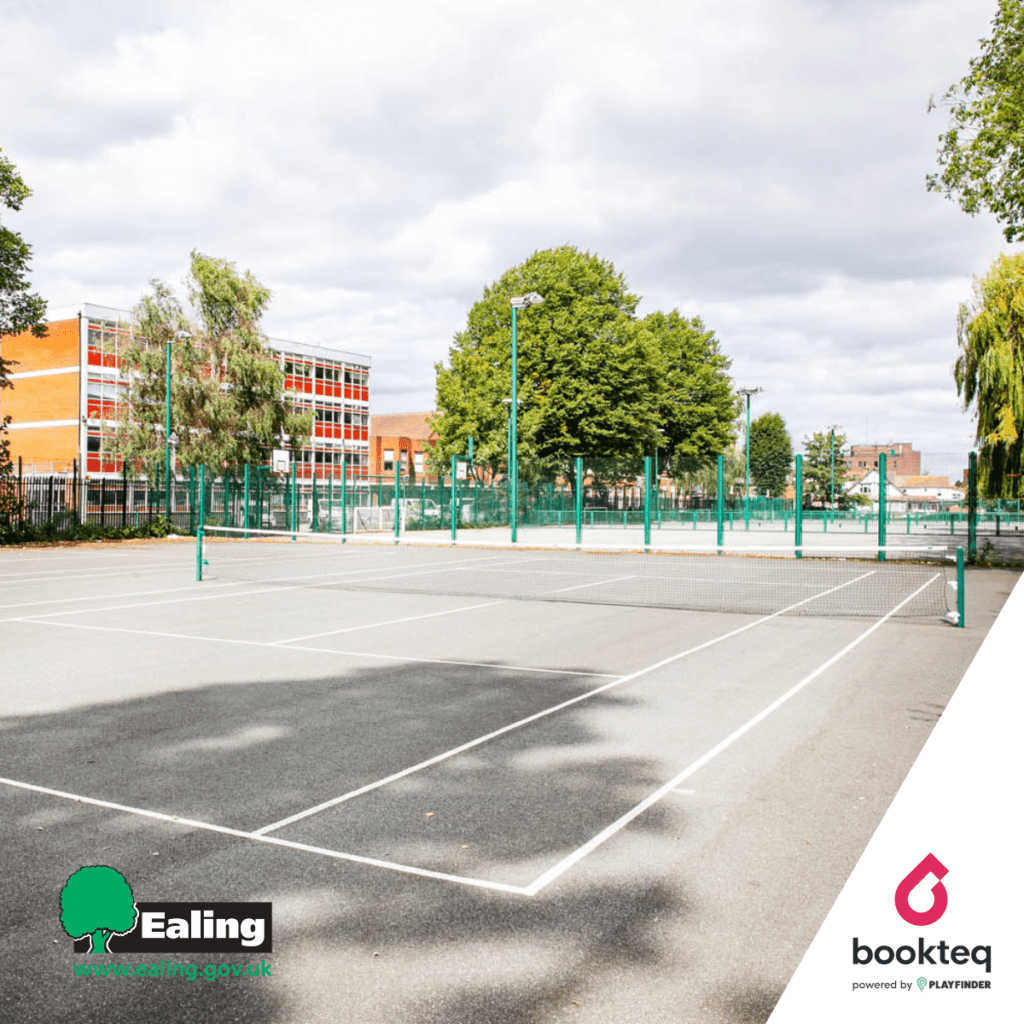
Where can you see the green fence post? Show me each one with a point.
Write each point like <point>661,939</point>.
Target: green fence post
<point>314,526</point>
<point>647,501</point>
<point>245,497</point>
<point>199,528</point>
<point>961,602</point>
<point>720,501</point>
<point>294,490</point>
<point>798,507</point>
<point>579,499</point>
<point>454,498</point>
<point>972,509</point>
<point>344,497</point>
<point>191,498</point>
<point>883,484</point>
<point>398,506</point>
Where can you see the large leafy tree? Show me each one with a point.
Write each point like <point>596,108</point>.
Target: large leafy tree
<point>981,155</point>
<point>771,453</point>
<point>20,310</point>
<point>227,395</point>
<point>824,467</point>
<point>989,373</point>
<point>594,379</point>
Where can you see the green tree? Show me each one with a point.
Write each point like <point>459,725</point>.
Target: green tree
<point>594,379</point>
<point>771,453</point>
<point>822,451</point>
<point>981,155</point>
<point>227,399</point>
<point>989,373</point>
<point>97,901</point>
<point>20,310</point>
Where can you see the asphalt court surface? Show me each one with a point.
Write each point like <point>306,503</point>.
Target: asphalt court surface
<point>454,748</point>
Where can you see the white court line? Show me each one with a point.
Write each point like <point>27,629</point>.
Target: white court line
<point>59,575</point>
<point>319,650</point>
<point>272,840</point>
<point>577,855</point>
<point>562,866</point>
<point>141,593</point>
<point>387,622</point>
<point>437,759</point>
<point>596,583</point>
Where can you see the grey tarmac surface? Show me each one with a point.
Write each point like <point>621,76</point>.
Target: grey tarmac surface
<point>125,681</point>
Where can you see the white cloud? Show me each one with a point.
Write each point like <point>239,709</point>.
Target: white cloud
<point>760,164</point>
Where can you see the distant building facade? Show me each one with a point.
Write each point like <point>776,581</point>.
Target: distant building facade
<point>900,459</point>
<point>69,394</point>
<point>402,437</point>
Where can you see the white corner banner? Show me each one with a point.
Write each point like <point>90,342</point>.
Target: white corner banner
<point>928,928</point>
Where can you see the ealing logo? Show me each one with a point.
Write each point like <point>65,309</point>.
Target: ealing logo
<point>98,910</point>
<point>931,865</point>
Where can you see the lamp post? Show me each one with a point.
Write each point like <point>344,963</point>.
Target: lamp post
<point>179,336</point>
<point>518,302</point>
<point>746,495</point>
<point>832,477</point>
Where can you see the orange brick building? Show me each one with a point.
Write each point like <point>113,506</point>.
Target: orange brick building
<point>68,394</point>
<point>404,436</point>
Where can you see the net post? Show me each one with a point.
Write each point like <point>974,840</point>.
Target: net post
<point>199,554</point>
<point>246,495</point>
<point>453,503</point>
<point>647,501</point>
<point>961,597</point>
<point>398,507</point>
<point>883,484</point>
<point>720,501</point>
<point>972,508</point>
<point>798,507</point>
<point>579,499</point>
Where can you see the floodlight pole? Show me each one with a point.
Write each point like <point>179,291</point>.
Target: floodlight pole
<point>518,302</point>
<point>746,496</point>
<point>179,336</point>
<point>832,478</point>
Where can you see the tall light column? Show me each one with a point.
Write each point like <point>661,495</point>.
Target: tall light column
<point>179,336</point>
<point>746,495</point>
<point>518,302</point>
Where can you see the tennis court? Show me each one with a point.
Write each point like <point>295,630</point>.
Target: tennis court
<point>477,784</point>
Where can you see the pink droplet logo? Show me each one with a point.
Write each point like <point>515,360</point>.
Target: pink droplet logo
<point>930,865</point>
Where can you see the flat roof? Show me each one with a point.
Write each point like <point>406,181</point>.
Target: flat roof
<point>92,311</point>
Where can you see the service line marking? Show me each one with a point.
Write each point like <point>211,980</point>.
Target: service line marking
<point>494,666</point>
<point>616,826</point>
<point>444,756</point>
<point>173,819</point>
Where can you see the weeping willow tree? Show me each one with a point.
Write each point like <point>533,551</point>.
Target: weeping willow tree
<point>989,373</point>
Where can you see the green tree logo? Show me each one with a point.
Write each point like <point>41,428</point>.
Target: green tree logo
<point>97,901</point>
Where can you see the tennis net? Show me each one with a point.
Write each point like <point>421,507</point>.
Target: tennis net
<point>914,582</point>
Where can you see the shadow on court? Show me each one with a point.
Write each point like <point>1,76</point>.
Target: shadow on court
<point>351,942</point>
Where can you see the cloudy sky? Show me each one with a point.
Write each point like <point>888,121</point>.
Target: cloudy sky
<point>759,163</point>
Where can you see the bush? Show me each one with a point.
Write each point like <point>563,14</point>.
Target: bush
<point>63,528</point>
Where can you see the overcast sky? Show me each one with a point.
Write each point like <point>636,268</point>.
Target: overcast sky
<point>758,163</point>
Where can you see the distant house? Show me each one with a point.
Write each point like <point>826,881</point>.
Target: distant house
<point>401,436</point>
<point>868,484</point>
<point>928,493</point>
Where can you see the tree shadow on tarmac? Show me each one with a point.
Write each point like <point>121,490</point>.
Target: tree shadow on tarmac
<point>352,943</point>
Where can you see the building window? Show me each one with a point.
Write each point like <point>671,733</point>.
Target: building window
<point>389,460</point>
